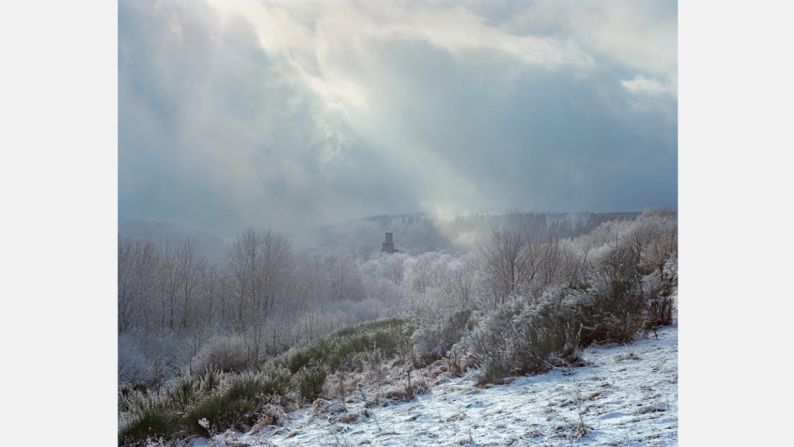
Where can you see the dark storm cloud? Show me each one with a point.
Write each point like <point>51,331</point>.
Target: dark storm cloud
<point>293,115</point>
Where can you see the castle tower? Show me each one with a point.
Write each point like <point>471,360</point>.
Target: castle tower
<point>388,245</point>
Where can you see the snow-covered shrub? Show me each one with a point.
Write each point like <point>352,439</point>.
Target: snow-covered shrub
<point>495,367</point>
<point>530,336</point>
<point>657,232</point>
<point>487,341</point>
<point>226,353</point>
<point>546,333</point>
<point>432,342</point>
<point>659,289</point>
<point>526,337</point>
<point>612,311</point>
<point>670,268</point>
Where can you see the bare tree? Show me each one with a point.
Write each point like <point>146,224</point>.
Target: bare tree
<point>212,292</point>
<point>275,258</point>
<point>520,263</point>
<point>170,282</point>
<point>258,264</point>
<point>242,260</point>
<point>189,270</point>
<point>504,263</point>
<point>128,293</point>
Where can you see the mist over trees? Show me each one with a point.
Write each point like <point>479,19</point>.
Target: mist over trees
<point>266,295</point>
<point>418,232</point>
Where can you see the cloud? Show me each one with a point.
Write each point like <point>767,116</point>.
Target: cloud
<point>641,85</point>
<point>295,114</point>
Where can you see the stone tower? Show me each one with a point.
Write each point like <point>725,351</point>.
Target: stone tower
<point>388,245</point>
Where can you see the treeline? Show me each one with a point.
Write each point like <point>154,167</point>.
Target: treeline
<point>269,296</point>
<point>171,302</point>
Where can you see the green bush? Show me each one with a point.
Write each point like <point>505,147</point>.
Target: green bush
<point>210,380</point>
<point>183,393</point>
<point>338,349</point>
<point>276,380</point>
<point>233,407</point>
<point>311,381</point>
<point>315,352</point>
<point>235,404</point>
<point>148,417</point>
<point>222,411</point>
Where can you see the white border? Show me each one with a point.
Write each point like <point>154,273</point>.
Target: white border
<point>59,193</point>
<point>58,180</point>
<point>735,141</point>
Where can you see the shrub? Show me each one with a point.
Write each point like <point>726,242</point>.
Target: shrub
<point>546,334</point>
<point>231,407</point>
<point>152,423</point>
<point>526,337</point>
<point>339,349</point>
<point>183,393</point>
<point>433,342</point>
<point>148,417</point>
<point>210,380</point>
<point>311,381</point>
<point>222,411</point>
<point>275,380</point>
<point>494,368</point>
<point>613,312</point>
<point>488,339</point>
<point>227,353</point>
<point>660,289</point>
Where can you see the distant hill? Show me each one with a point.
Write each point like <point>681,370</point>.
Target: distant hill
<point>414,233</point>
<point>420,232</point>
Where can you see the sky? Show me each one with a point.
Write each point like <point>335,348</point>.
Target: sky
<point>289,115</point>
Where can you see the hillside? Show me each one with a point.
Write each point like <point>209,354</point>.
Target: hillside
<point>625,395</point>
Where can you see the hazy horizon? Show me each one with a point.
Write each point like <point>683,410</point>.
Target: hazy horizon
<point>232,233</point>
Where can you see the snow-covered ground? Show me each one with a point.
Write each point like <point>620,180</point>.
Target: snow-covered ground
<point>626,396</point>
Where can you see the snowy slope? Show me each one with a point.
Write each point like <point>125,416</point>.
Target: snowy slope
<point>627,396</point>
